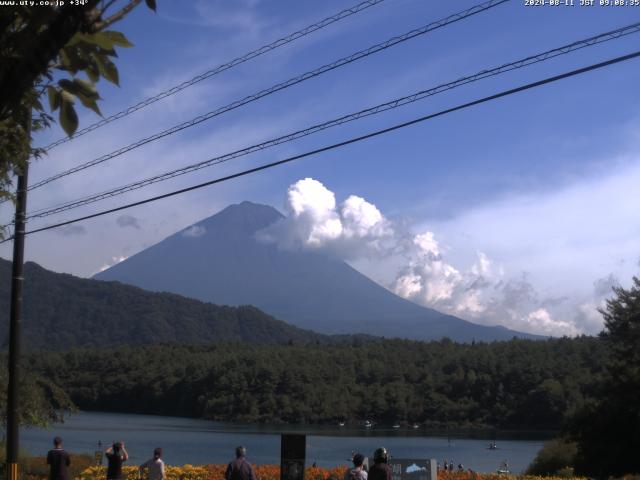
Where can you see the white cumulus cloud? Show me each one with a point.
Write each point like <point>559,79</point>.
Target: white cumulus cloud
<point>316,221</point>
<point>354,228</point>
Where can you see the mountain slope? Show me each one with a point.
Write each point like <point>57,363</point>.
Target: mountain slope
<point>219,260</point>
<point>62,311</point>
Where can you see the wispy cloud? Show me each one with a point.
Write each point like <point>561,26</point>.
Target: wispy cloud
<point>124,221</point>
<point>72,229</point>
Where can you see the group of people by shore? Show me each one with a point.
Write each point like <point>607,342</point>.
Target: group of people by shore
<point>449,466</point>
<point>59,461</point>
<point>238,469</point>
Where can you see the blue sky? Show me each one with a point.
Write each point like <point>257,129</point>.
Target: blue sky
<point>534,194</point>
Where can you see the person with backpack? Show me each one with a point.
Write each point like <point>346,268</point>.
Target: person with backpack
<point>240,469</point>
<point>357,472</point>
<point>154,466</point>
<point>116,456</point>
<point>380,469</point>
<point>58,461</point>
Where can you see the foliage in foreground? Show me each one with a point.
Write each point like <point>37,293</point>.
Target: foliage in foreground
<point>44,49</point>
<point>36,468</point>
<point>607,428</point>
<point>41,401</point>
<point>556,456</point>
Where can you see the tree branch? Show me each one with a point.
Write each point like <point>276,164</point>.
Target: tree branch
<point>98,26</point>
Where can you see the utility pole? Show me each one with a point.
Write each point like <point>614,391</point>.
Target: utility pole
<point>17,279</point>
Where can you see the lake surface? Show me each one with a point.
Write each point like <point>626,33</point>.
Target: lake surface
<point>195,441</point>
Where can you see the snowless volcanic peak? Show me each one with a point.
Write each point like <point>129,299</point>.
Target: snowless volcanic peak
<point>221,260</point>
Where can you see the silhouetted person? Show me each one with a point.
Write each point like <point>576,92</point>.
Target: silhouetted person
<point>116,456</point>
<point>380,469</point>
<point>240,469</point>
<point>154,466</point>
<point>58,461</point>
<point>357,472</point>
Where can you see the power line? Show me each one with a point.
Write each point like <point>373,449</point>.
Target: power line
<point>281,86</point>
<point>221,68</point>
<point>376,133</point>
<point>530,60</point>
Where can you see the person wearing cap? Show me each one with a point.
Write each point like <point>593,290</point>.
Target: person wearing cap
<point>380,469</point>
<point>357,472</point>
<point>116,456</point>
<point>58,461</point>
<point>154,466</point>
<point>240,469</point>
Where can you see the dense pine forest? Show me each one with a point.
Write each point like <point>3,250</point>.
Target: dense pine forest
<point>520,383</point>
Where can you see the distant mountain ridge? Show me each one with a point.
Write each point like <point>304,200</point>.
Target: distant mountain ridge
<point>61,311</point>
<point>219,260</point>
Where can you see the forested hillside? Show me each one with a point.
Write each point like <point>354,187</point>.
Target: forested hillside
<point>519,383</point>
<point>62,311</point>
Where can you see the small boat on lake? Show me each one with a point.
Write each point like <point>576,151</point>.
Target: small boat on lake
<point>341,424</point>
<point>368,424</point>
<point>396,426</point>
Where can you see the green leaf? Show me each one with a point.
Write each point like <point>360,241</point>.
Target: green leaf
<point>86,88</point>
<point>108,69</point>
<point>100,39</point>
<point>54,98</point>
<point>77,37</point>
<point>151,4</point>
<point>89,103</point>
<point>102,51</point>
<point>66,97</point>
<point>64,58</point>
<point>72,59</point>
<point>83,90</point>
<point>117,38</point>
<point>67,85</point>
<point>92,71</point>
<point>79,86</point>
<point>68,116</point>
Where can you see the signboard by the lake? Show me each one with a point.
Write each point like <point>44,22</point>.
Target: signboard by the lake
<point>293,449</point>
<point>413,469</point>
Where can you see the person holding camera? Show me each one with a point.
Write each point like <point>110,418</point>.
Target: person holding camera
<point>116,456</point>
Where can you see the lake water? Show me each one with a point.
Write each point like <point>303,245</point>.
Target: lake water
<point>195,441</point>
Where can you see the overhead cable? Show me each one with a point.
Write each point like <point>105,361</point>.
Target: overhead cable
<point>398,102</point>
<point>278,87</point>
<point>221,68</point>
<point>334,146</point>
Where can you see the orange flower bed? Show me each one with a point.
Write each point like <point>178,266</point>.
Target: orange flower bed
<point>272,472</point>
<point>216,472</point>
